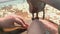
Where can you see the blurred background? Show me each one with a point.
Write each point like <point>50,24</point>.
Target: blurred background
<point>21,7</point>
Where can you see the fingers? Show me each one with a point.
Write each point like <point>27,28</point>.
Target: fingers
<point>22,22</point>
<point>25,26</point>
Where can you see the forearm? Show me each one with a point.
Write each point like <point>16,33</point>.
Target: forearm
<point>52,28</point>
<point>36,27</point>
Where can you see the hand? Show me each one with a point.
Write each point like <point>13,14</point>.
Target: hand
<point>53,28</point>
<point>25,26</point>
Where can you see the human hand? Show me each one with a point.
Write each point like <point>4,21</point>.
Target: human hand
<point>53,28</point>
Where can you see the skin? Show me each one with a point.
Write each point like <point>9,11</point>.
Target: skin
<point>7,24</point>
<point>36,27</point>
<point>42,26</point>
<point>8,21</point>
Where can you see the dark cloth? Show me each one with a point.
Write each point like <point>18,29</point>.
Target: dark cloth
<point>17,31</point>
<point>37,6</point>
<point>1,29</point>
